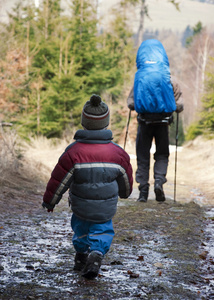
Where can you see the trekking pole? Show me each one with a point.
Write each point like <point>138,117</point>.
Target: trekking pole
<point>176,147</point>
<point>127,128</point>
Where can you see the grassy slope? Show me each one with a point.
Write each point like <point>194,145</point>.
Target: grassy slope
<point>164,15</point>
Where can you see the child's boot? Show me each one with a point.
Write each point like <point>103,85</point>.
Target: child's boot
<point>93,264</point>
<point>80,261</point>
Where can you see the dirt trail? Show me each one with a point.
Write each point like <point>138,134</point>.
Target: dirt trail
<point>160,251</point>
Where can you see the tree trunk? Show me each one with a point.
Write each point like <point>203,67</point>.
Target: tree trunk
<point>46,19</point>
<point>38,109</point>
<point>27,50</point>
<point>141,25</point>
<point>60,53</point>
<point>81,17</point>
<point>196,98</point>
<point>204,62</point>
<point>81,11</point>
<point>66,55</point>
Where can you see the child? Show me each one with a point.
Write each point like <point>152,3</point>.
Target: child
<point>96,171</point>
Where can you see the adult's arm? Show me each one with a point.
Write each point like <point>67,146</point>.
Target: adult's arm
<point>178,96</point>
<point>130,99</point>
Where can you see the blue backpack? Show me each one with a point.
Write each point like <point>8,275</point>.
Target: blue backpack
<point>153,91</point>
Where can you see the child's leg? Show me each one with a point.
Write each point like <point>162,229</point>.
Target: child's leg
<point>80,242</point>
<point>80,237</point>
<point>100,237</point>
<point>92,237</point>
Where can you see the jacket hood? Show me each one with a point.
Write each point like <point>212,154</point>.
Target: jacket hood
<point>151,51</point>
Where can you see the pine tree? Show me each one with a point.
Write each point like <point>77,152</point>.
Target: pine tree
<point>66,60</point>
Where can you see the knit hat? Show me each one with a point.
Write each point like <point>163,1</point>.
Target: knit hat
<point>95,114</point>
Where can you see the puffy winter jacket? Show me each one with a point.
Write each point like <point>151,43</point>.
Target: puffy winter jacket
<point>96,171</point>
<point>153,92</point>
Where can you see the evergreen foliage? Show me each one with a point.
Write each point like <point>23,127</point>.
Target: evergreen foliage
<point>51,63</point>
<point>193,131</point>
<point>66,60</point>
<point>187,34</point>
<point>195,31</point>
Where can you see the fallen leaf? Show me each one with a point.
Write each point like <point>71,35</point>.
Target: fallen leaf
<point>159,272</point>
<point>141,257</point>
<point>203,255</point>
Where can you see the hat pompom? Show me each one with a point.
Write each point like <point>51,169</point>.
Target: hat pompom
<point>95,100</point>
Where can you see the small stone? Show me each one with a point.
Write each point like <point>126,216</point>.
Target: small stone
<point>1,268</point>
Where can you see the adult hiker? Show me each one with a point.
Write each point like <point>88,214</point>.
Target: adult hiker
<point>154,97</point>
<point>96,171</point>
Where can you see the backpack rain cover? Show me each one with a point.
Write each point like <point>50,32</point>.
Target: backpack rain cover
<point>153,91</point>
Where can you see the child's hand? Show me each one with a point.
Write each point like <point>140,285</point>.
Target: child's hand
<point>48,209</point>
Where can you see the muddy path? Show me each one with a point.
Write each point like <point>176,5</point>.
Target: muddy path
<point>160,251</point>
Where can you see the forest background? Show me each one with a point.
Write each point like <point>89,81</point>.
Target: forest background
<point>54,57</point>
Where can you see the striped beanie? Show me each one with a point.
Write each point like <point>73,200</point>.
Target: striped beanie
<point>95,114</point>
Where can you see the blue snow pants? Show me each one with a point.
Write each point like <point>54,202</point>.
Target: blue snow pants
<point>89,236</point>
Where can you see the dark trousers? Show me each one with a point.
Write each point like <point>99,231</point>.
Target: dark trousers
<point>145,135</point>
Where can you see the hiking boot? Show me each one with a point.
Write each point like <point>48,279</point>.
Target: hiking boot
<point>159,193</point>
<point>143,196</point>
<point>92,266</point>
<point>80,261</point>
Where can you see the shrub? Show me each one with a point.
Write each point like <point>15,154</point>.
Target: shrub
<point>193,131</point>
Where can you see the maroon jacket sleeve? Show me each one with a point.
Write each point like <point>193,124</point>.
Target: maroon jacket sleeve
<point>61,178</point>
<point>125,180</point>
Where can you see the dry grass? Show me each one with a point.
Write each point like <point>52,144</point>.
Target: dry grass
<point>195,167</point>
<point>9,152</point>
<point>44,153</point>
<point>34,162</point>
